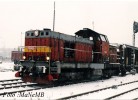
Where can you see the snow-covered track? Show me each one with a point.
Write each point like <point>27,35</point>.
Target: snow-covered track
<point>3,84</point>
<point>10,80</point>
<point>93,91</point>
<point>16,86</point>
<point>4,93</point>
<point>34,87</point>
<point>117,95</point>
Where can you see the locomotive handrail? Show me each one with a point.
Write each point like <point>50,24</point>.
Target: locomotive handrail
<point>96,52</point>
<point>75,49</point>
<point>113,54</point>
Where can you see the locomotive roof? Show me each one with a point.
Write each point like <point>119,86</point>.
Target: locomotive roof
<point>86,32</point>
<point>48,33</point>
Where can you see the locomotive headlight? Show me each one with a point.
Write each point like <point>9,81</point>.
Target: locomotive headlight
<point>36,33</point>
<point>118,50</point>
<point>47,58</point>
<point>24,57</point>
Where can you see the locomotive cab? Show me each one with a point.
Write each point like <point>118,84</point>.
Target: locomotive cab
<point>100,46</point>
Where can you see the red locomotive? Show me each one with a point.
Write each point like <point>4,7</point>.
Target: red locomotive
<point>50,56</point>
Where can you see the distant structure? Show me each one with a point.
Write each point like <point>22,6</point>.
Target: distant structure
<point>5,54</point>
<point>135,30</point>
<point>16,56</point>
<point>1,59</point>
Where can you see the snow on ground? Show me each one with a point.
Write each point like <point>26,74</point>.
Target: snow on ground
<point>58,92</point>
<point>62,91</point>
<point>6,71</point>
<point>6,66</point>
<point>110,92</point>
<point>129,96</point>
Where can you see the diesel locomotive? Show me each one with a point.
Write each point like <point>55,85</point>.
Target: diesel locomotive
<point>53,56</point>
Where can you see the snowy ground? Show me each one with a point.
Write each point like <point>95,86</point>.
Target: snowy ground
<point>6,71</point>
<point>5,66</point>
<point>61,91</point>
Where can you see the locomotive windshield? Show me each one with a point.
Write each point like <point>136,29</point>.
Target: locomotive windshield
<point>104,38</point>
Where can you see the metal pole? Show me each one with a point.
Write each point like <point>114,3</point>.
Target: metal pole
<point>134,39</point>
<point>133,50</point>
<point>54,17</point>
<point>93,25</point>
<point>21,38</point>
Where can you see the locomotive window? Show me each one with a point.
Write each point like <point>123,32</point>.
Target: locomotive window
<point>27,34</point>
<point>32,34</point>
<point>42,33</point>
<point>69,49</point>
<point>103,38</point>
<point>46,33</point>
<point>106,38</point>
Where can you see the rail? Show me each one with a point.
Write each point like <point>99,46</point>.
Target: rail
<point>73,96</point>
<point>117,95</point>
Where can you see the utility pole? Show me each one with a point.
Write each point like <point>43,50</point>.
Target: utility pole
<point>93,24</point>
<point>135,30</point>
<point>54,17</point>
<point>21,38</point>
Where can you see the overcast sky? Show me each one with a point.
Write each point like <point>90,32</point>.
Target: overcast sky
<point>113,18</point>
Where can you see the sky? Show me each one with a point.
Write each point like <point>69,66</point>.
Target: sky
<point>113,18</point>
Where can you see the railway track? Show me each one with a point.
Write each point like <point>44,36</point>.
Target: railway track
<point>32,87</point>
<point>19,83</point>
<point>99,90</point>
<point>120,94</point>
<point>13,86</point>
<point>10,80</point>
<point>19,88</point>
<point>11,92</point>
<point>5,85</point>
<point>16,86</point>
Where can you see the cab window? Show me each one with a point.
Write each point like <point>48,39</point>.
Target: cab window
<point>27,34</point>
<point>32,34</point>
<point>103,38</point>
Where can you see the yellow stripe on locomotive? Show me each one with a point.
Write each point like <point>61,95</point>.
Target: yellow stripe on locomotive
<point>37,49</point>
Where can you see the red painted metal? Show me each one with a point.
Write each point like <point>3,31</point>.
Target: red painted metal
<point>17,74</point>
<point>83,52</point>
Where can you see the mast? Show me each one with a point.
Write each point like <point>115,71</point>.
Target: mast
<point>54,17</point>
